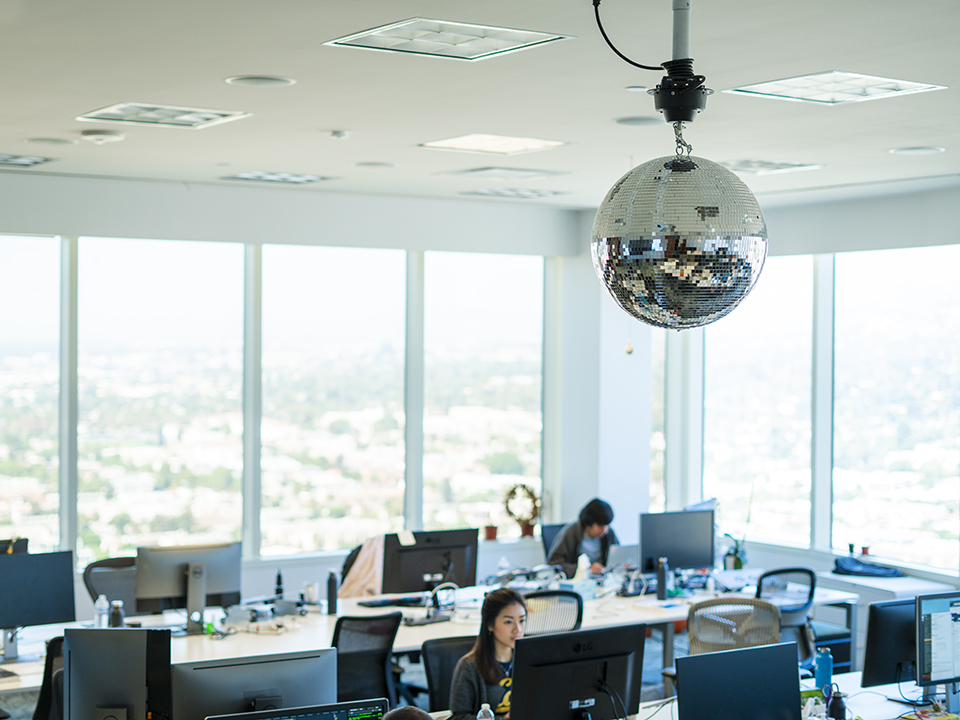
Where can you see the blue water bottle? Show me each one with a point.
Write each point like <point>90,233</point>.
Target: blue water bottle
<point>823,668</point>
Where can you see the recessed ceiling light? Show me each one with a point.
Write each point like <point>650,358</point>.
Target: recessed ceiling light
<point>99,137</point>
<point>260,81</point>
<point>503,173</point>
<point>273,177</point>
<point>22,160</point>
<point>521,193</point>
<point>374,164</point>
<point>50,141</point>
<point>163,115</point>
<point>641,120</point>
<point>637,88</point>
<point>919,150</point>
<point>497,144</point>
<point>441,38</point>
<point>833,88</point>
<point>765,167</point>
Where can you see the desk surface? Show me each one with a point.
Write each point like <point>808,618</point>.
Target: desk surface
<point>315,630</point>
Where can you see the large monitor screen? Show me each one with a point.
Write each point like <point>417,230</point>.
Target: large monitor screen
<point>890,652</point>
<point>433,557</point>
<point>711,685</point>
<point>116,668</point>
<point>262,682</point>
<point>357,710</point>
<point>188,576</point>
<point>938,638</point>
<point>36,589</point>
<point>587,673</point>
<point>685,538</point>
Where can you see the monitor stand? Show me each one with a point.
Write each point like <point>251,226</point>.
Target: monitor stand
<point>914,694</point>
<point>11,654</point>
<point>196,597</point>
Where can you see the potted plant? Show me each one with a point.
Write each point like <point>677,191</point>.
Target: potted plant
<point>736,555</point>
<point>523,506</point>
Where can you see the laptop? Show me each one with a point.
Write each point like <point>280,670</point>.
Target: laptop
<point>620,557</point>
<point>373,709</point>
<point>759,683</point>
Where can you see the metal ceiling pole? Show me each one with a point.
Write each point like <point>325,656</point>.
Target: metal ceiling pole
<point>681,29</point>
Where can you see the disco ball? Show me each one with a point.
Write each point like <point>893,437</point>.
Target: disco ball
<point>679,242</point>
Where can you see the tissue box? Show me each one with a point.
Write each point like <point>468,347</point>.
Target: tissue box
<point>587,589</point>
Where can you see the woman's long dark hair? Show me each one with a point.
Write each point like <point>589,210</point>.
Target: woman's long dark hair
<point>484,653</point>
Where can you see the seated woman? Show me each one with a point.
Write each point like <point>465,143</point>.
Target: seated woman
<point>485,674</point>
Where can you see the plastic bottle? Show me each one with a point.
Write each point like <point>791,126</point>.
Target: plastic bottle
<point>279,588</point>
<point>332,589</point>
<point>823,667</point>
<point>485,713</point>
<point>101,612</point>
<point>116,614</point>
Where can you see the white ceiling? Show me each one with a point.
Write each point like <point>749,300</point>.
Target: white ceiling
<point>62,58</point>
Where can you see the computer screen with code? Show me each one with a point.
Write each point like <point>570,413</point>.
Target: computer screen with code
<point>938,638</point>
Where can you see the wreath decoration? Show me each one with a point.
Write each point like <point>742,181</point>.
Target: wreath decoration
<point>522,504</point>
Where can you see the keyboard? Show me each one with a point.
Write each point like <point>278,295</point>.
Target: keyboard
<point>400,601</point>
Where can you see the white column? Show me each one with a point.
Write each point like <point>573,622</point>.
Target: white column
<point>821,410</point>
<point>252,396</point>
<point>413,395</point>
<point>68,410</point>
<point>683,418</point>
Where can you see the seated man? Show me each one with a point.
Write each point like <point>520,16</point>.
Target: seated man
<point>591,535</point>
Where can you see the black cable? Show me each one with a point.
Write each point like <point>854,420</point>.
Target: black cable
<point>612,693</point>
<point>596,10</point>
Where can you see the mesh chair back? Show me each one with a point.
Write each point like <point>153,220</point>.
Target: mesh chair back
<point>731,623</point>
<point>117,579</point>
<point>548,533</point>
<point>553,611</point>
<point>791,589</point>
<point>364,653</point>
<point>440,658</point>
<point>50,707</point>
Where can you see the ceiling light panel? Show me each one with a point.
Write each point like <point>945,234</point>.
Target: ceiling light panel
<point>833,88</point>
<point>765,167</point>
<point>496,144</point>
<point>503,173</point>
<point>441,38</point>
<point>521,193</point>
<point>272,177</point>
<point>21,160</point>
<point>163,115</point>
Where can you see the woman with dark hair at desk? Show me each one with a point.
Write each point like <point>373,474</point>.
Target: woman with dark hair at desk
<point>485,674</point>
<point>591,535</point>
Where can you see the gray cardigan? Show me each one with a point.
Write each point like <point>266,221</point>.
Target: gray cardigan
<point>566,548</point>
<point>468,691</point>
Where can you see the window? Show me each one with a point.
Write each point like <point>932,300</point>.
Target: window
<point>483,337</point>
<point>332,429</point>
<point>29,389</point>
<point>896,475</point>
<point>757,408</point>
<point>658,443</point>
<point>160,378</point>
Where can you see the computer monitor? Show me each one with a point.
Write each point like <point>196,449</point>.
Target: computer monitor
<point>35,589</point>
<point>433,557</point>
<point>119,672</point>
<point>938,643</point>
<point>262,682</point>
<point>685,538</point>
<point>13,546</point>
<point>357,710</point>
<point>188,576</point>
<point>592,673</point>
<point>760,683</point>
<point>890,652</point>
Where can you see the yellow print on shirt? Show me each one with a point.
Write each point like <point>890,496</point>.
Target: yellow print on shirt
<point>504,707</point>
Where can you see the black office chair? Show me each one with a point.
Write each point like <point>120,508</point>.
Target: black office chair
<point>792,589</point>
<point>364,656</point>
<point>117,579</point>
<point>49,706</point>
<point>553,611</point>
<point>440,657</point>
<point>548,533</point>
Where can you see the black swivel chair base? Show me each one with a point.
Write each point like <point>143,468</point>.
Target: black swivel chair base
<point>4,715</point>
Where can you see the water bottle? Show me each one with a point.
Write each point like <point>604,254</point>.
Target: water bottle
<point>116,614</point>
<point>485,713</point>
<point>837,709</point>
<point>332,593</point>
<point>823,668</point>
<point>663,571</point>
<point>101,612</point>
